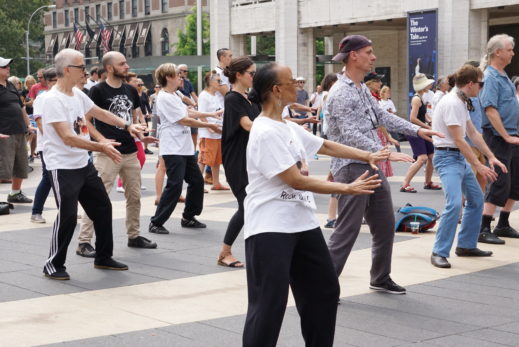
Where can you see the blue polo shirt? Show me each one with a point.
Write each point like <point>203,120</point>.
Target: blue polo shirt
<point>476,117</point>
<point>499,92</point>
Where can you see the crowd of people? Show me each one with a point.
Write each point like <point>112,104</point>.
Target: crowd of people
<point>92,130</point>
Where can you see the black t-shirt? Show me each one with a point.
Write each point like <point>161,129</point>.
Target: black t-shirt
<point>235,138</point>
<point>25,94</point>
<point>11,114</point>
<point>121,102</point>
<point>145,104</point>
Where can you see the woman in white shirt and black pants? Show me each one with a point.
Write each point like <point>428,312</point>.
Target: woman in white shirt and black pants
<point>283,242</point>
<point>178,152</point>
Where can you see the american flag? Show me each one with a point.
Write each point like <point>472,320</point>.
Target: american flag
<point>105,37</point>
<point>78,35</point>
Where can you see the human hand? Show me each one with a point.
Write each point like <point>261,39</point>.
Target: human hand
<point>427,134</point>
<point>382,154</point>
<point>149,139</point>
<point>108,149</point>
<point>494,161</point>
<point>399,156</point>
<point>363,185</point>
<point>136,129</point>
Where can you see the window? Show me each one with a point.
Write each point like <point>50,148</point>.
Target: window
<point>87,14</point>
<point>164,5</point>
<point>54,20</point>
<point>134,8</point>
<point>146,7</point>
<point>98,13</point>
<point>76,15</point>
<point>121,9</point>
<point>164,42</point>
<point>67,18</point>
<point>147,45</point>
<point>109,10</point>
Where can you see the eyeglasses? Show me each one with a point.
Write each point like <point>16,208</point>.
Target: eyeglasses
<point>140,85</point>
<point>302,82</point>
<point>251,73</point>
<point>182,70</point>
<point>82,67</point>
<point>481,84</point>
<point>53,80</point>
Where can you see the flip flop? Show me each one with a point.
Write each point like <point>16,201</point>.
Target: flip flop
<point>407,189</point>
<point>432,186</point>
<point>234,264</point>
<point>220,188</point>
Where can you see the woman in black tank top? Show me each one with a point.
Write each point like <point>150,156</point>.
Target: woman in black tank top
<point>422,150</point>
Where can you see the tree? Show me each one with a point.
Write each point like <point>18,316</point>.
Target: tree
<point>265,44</point>
<point>186,44</point>
<point>13,24</point>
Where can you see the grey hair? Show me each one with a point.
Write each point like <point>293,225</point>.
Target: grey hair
<point>496,42</point>
<point>14,80</point>
<point>63,58</point>
<point>181,66</point>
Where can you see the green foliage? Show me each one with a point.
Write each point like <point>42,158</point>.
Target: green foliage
<point>14,15</point>
<point>319,46</point>
<point>265,45</point>
<point>186,44</point>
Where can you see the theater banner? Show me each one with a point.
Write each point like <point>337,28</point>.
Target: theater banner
<point>422,45</point>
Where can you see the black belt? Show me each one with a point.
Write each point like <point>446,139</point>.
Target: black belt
<point>447,149</point>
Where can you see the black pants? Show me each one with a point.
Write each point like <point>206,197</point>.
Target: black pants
<point>301,260</point>
<point>85,186</point>
<point>237,220</point>
<point>178,169</point>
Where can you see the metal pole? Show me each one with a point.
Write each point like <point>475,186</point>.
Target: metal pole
<point>27,53</point>
<point>199,41</point>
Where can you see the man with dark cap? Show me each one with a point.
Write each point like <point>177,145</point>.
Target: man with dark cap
<point>354,116</point>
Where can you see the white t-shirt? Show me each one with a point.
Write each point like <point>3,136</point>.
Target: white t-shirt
<point>209,103</point>
<point>427,99</point>
<point>438,95</point>
<point>37,113</point>
<point>387,105</point>
<point>59,107</point>
<point>225,80</point>
<point>89,84</point>
<point>175,138</point>
<point>449,111</point>
<point>272,205</point>
<point>286,112</point>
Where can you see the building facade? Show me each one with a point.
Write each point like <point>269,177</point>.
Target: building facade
<point>464,27</point>
<point>141,29</point>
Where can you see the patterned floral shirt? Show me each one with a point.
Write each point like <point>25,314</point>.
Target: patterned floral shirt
<point>353,117</point>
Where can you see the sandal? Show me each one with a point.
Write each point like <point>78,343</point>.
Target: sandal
<point>220,187</point>
<point>407,189</point>
<point>181,199</point>
<point>432,186</point>
<point>234,264</point>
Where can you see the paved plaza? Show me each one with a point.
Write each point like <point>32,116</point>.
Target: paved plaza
<point>176,295</point>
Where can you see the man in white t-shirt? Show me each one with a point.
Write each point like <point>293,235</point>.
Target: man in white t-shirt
<point>73,176</point>
<point>93,79</point>
<point>224,56</point>
<point>451,117</point>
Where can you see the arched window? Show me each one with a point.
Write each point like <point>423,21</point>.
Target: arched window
<point>164,42</point>
<point>148,48</point>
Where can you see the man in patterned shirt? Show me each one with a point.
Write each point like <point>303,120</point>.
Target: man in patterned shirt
<point>353,118</point>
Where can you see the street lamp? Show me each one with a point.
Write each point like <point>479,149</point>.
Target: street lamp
<point>27,35</point>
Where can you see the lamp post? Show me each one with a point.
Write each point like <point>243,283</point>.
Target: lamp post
<point>27,35</point>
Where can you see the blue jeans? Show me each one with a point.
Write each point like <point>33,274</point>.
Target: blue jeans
<point>42,192</point>
<point>457,178</point>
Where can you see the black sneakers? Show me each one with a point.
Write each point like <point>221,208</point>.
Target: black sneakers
<point>141,242</point>
<point>157,229</point>
<point>472,252</point>
<point>506,232</point>
<point>110,264</point>
<point>18,198</point>
<point>487,237</point>
<point>192,223</point>
<point>388,287</point>
<point>60,275</point>
<point>86,250</point>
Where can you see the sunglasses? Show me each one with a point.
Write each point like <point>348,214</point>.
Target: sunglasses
<point>251,73</point>
<point>481,84</point>
<point>4,67</point>
<point>140,85</point>
<point>157,86</point>
<point>182,70</point>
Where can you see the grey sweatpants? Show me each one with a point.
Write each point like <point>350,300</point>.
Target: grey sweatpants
<point>377,209</point>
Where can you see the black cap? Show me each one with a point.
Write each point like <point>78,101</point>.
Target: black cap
<point>351,43</point>
<point>373,76</point>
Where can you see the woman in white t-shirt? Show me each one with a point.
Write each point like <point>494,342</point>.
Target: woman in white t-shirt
<point>178,152</point>
<point>284,245</point>
<point>211,141</point>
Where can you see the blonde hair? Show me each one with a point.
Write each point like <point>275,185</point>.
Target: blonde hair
<point>496,42</point>
<point>27,79</point>
<point>383,91</point>
<point>163,71</point>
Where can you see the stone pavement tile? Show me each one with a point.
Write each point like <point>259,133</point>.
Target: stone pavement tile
<point>406,326</point>
<point>455,284</point>
<point>10,266</point>
<point>205,335</point>
<point>346,336</point>
<point>415,344</point>
<point>492,335</point>
<point>10,293</point>
<point>441,308</point>
<point>457,341</point>
<point>510,327</point>
<point>148,338</point>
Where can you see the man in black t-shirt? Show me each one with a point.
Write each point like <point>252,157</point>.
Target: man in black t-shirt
<point>122,100</point>
<point>13,122</point>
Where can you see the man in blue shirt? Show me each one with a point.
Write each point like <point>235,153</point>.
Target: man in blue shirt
<point>500,130</point>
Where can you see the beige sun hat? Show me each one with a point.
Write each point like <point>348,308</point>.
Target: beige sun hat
<point>420,82</point>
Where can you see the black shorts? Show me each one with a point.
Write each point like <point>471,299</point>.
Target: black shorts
<point>507,185</point>
<point>194,131</point>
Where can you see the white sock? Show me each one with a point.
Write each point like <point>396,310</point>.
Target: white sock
<point>14,192</point>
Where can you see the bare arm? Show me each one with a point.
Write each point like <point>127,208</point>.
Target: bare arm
<point>109,118</point>
<point>245,123</point>
<point>195,97</point>
<point>197,114</point>
<point>495,120</point>
<point>413,117</point>
<point>195,123</point>
<point>363,185</point>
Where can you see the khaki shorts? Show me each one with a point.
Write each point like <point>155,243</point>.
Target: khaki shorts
<point>13,157</point>
<point>210,152</point>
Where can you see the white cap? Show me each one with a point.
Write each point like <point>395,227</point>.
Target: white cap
<point>4,62</point>
<point>300,79</point>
